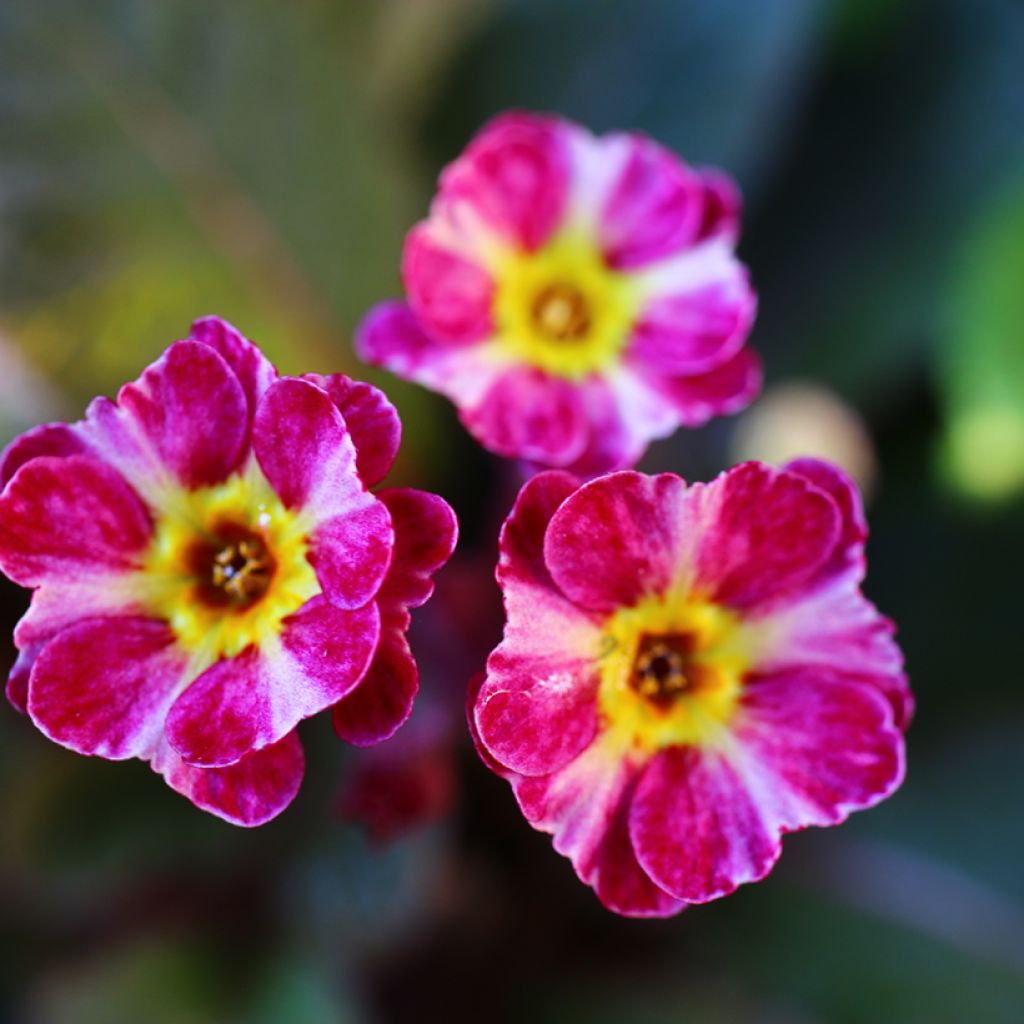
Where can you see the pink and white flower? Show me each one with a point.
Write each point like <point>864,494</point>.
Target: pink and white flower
<point>576,296</point>
<point>687,673</point>
<point>209,568</point>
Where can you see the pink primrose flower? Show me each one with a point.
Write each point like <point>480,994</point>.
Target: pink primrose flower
<point>209,568</point>
<point>687,673</point>
<point>574,295</point>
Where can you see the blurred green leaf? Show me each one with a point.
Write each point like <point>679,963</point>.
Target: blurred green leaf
<point>982,369</point>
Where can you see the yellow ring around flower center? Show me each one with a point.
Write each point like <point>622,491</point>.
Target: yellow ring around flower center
<point>226,566</point>
<point>672,673</point>
<point>562,309</point>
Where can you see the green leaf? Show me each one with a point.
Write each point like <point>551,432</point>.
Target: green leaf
<point>982,365</point>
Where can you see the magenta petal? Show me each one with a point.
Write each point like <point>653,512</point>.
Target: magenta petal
<point>305,450</point>
<point>351,554</point>
<point>535,714</point>
<point>249,792</point>
<point>828,745</point>
<point>522,536</point>
<point>620,883</point>
<point>767,534</point>
<point>515,176</point>
<point>17,680</point>
<point>537,708</point>
<point>722,206</point>
<point>836,630</point>
<point>250,701</point>
<point>531,415</point>
<point>696,399</point>
<point>849,553</point>
<point>59,604</point>
<point>697,829</point>
<point>54,608</point>
<point>694,332</point>
<point>109,433</point>
<point>333,649</point>
<point>252,368</point>
<point>654,210</point>
<point>372,422</point>
<point>617,539</point>
<point>65,518</point>
<point>383,700</point>
<point>451,295</point>
<point>104,686</point>
<point>54,439</point>
<point>228,711</point>
<point>615,442</point>
<point>392,336</point>
<point>476,681</point>
<point>585,807</point>
<point>541,619</point>
<point>425,534</point>
<point>187,413</point>
<point>806,751</point>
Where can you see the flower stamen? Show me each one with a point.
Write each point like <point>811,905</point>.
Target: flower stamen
<point>663,668</point>
<point>561,313</point>
<point>236,568</point>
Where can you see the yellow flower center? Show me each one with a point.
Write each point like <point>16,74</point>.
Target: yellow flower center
<point>673,672</point>
<point>227,565</point>
<point>562,309</point>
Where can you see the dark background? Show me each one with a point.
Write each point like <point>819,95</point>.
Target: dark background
<point>163,160</point>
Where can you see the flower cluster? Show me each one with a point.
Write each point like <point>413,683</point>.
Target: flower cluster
<point>209,568</point>
<point>575,296</point>
<point>687,673</point>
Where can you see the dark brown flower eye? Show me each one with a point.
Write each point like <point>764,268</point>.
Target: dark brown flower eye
<point>235,568</point>
<point>664,668</point>
<point>561,313</point>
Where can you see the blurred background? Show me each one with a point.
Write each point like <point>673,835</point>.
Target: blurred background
<point>262,160</point>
